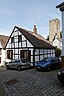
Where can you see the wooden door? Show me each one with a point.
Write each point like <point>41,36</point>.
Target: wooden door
<point>25,54</point>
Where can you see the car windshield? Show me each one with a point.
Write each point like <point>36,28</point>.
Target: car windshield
<point>24,60</point>
<point>45,59</point>
<point>15,61</point>
<point>48,59</point>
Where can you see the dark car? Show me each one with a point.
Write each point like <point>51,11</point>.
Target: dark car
<point>48,63</point>
<point>60,76</point>
<point>18,64</point>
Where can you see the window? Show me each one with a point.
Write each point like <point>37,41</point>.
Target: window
<point>12,39</point>
<point>19,38</point>
<point>45,51</point>
<point>9,54</point>
<point>25,54</point>
<point>0,59</point>
<point>23,44</point>
<point>16,39</point>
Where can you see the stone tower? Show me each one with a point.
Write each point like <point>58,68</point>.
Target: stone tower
<point>54,29</point>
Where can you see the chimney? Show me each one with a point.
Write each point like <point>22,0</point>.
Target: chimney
<point>35,29</point>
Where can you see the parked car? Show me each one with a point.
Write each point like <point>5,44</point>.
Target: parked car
<point>60,76</point>
<point>7,61</point>
<point>18,64</point>
<point>48,63</point>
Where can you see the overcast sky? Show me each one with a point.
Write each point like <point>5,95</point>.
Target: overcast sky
<point>26,13</point>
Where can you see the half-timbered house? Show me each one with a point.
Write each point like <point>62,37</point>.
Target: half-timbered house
<point>23,43</point>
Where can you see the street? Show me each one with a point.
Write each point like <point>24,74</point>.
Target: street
<point>29,83</point>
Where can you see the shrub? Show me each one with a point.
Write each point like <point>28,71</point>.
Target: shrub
<point>57,52</point>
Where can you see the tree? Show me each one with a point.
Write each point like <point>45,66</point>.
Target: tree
<point>57,52</point>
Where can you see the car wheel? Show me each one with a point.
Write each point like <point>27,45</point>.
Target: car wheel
<point>48,68</point>
<point>18,68</point>
<point>7,67</point>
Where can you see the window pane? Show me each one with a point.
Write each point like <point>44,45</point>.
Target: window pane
<point>36,51</point>
<point>45,51</point>
<point>19,38</point>
<point>23,44</point>
<point>36,58</point>
<point>16,45</point>
<point>12,39</point>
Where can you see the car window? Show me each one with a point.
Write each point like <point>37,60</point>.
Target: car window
<point>48,59</point>
<point>15,61</point>
<point>55,59</point>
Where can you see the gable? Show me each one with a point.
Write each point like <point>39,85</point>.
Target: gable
<point>3,40</point>
<point>17,39</point>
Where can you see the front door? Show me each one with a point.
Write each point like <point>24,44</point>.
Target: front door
<point>25,54</point>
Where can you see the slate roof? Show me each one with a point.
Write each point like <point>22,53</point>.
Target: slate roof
<point>35,39</point>
<point>3,40</point>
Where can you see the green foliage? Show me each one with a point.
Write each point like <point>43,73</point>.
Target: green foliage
<point>57,52</point>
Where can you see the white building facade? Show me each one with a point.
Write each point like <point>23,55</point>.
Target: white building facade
<point>3,40</point>
<point>57,43</point>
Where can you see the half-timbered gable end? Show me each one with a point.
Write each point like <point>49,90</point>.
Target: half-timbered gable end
<point>26,44</point>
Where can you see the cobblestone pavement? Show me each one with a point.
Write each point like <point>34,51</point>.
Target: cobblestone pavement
<point>29,83</point>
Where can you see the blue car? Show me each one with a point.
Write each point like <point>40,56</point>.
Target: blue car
<point>48,63</point>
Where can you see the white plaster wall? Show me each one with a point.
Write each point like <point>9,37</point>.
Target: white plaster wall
<point>29,44</point>
<point>2,57</point>
<point>23,38</point>
<point>24,43</point>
